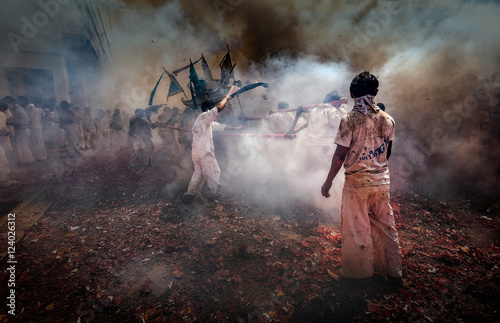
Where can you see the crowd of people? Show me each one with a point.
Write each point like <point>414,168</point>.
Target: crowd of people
<point>33,130</point>
<point>359,140</point>
<point>173,129</point>
<point>354,147</point>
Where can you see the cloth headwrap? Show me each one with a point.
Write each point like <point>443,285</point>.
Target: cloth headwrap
<point>362,104</point>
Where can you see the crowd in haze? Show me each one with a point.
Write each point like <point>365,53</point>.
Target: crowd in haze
<point>359,140</point>
<point>33,131</point>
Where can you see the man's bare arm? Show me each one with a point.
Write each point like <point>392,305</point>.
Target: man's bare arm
<point>222,104</point>
<point>337,162</point>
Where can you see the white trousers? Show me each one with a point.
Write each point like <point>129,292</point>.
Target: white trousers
<point>23,137</point>
<point>207,169</point>
<point>369,237</point>
<point>320,157</point>
<point>38,144</point>
<point>169,143</point>
<point>4,169</point>
<point>142,151</point>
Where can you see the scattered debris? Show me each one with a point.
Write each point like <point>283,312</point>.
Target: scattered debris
<point>152,258</point>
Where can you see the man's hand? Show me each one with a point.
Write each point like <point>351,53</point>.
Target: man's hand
<point>326,188</point>
<point>289,135</point>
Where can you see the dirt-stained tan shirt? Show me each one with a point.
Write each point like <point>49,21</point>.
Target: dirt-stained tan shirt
<point>367,137</point>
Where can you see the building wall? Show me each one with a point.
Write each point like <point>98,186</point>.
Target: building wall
<point>32,38</point>
<point>56,63</point>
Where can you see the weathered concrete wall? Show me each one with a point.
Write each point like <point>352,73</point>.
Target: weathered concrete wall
<point>53,62</point>
<point>32,37</point>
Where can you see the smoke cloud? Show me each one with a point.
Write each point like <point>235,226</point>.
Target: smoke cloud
<point>437,63</point>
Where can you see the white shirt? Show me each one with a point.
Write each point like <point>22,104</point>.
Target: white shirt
<point>36,116</point>
<point>3,123</point>
<point>323,123</point>
<point>281,122</point>
<point>203,142</point>
<point>103,123</point>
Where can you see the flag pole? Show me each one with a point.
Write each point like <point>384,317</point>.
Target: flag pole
<point>169,75</point>
<point>239,104</point>
<point>154,90</point>
<point>234,78</point>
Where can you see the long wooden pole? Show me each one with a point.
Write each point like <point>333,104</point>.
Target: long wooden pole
<point>236,134</point>
<point>308,107</point>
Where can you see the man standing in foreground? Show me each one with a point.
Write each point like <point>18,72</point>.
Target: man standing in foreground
<point>203,152</point>
<point>369,238</point>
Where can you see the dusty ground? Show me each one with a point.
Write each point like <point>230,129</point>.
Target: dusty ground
<point>115,246</point>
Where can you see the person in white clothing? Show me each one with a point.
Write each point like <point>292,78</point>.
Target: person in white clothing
<point>322,125</point>
<point>68,120</point>
<point>169,117</point>
<point>4,164</point>
<point>21,128</point>
<point>89,129</point>
<point>320,130</point>
<point>203,150</point>
<point>4,139</point>
<point>103,130</point>
<point>139,137</point>
<point>36,116</point>
<point>50,127</point>
<point>280,122</point>
<point>117,126</point>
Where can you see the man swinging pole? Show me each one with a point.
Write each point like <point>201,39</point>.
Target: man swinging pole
<point>203,152</point>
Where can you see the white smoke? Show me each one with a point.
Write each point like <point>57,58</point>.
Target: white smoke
<point>437,63</point>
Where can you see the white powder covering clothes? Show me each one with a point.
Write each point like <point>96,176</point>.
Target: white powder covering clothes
<point>203,153</point>
<point>203,141</point>
<point>323,122</point>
